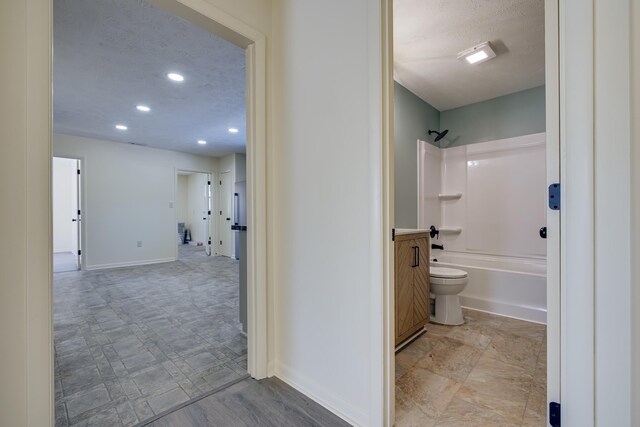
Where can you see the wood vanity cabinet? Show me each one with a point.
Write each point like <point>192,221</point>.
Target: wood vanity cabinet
<point>411,284</point>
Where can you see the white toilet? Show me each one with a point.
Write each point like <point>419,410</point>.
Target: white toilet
<point>445,285</point>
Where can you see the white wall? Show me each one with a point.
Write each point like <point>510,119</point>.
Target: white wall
<point>127,191</point>
<point>322,199</point>
<point>241,167</point>
<point>64,197</point>
<point>182,199</point>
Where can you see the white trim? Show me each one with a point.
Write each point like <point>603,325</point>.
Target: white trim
<point>612,218</point>
<point>383,357</point>
<point>635,193</point>
<point>350,413</point>
<point>576,216</point>
<point>128,264</point>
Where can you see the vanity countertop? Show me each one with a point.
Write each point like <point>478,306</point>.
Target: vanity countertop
<point>401,231</point>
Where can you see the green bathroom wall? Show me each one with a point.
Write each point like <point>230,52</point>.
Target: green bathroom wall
<point>413,118</point>
<point>508,116</point>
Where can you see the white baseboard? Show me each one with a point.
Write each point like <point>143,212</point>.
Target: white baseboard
<point>128,264</point>
<point>530,314</point>
<point>323,397</point>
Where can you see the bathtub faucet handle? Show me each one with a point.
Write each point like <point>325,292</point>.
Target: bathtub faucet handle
<point>433,232</point>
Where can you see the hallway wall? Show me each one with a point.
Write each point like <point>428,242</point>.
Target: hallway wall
<point>127,195</point>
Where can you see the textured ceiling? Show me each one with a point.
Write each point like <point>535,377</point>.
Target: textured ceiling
<point>428,34</point>
<point>110,55</point>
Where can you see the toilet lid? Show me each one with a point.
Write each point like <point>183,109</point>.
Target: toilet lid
<point>447,273</point>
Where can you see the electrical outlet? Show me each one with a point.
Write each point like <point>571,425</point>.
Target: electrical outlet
<point>139,243</point>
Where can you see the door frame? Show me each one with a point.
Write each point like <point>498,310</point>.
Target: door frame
<point>223,222</point>
<point>36,19</point>
<point>81,204</point>
<point>220,23</point>
<point>210,178</point>
<point>555,158</point>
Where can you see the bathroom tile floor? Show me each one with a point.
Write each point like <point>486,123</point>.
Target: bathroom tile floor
<point>491,371</point>
<point>133,342</point>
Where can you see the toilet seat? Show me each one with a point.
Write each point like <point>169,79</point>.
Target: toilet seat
<point>447,273</point>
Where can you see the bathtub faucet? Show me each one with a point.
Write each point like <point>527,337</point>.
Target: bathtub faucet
<point>441,247</point>
<point>433,232</point>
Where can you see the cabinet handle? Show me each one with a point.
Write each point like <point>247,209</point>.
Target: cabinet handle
<point>415,256</point>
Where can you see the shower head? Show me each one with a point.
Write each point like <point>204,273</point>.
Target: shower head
<point>440,134</point>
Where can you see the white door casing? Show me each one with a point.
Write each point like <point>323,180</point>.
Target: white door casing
<point>225,215</point>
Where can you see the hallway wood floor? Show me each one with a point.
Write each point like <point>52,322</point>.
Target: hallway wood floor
<point>248,403</point>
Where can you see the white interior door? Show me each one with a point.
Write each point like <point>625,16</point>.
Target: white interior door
<point>227,242</point>
<point>76,214</point>
<point>209,207</point>
<point>66,215</point>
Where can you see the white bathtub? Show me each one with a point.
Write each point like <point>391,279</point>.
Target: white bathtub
<point>515,287</point>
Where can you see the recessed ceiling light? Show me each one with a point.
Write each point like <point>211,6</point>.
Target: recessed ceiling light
<point>202,142</point>
<point>143,108</point>
<point>477,54</point>
<point>233,130</point>
<point>121,127</point>
<point>175,77</point>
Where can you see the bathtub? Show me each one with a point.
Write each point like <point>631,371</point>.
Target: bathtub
<point>514,287</point>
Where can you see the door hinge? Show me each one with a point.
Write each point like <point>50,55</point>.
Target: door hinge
<point>220,241</point>
<point>554,414</point>
<point>220,212</point>
<point>78,171</point>
<point>220,182</point>
<point>79,252</point>
<point>79,212</point>
<point>554,197</point>
<point>209,212</point>
<point>208,182</point>
<point>393,234</point>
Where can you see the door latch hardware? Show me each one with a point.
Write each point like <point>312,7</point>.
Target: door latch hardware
<point>543,232</point>
<point>554,414</point>
<point>554,197</point>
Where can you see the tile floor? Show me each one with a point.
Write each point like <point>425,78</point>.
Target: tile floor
<point>132,342</point>
<point>491,371</point>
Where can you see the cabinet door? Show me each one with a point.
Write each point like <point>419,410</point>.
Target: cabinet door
<point>404,286</point>
<point>421,283</point>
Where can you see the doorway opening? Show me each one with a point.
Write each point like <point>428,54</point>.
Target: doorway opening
<point>145,327</point>
<point>474,301</point>
<point>67,249</point>
<point>194,206</point>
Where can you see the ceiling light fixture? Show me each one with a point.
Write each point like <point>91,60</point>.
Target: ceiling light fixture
<point>202,142</point>
<point>477,54</point>
<point>143,108</point>
<point>175,77</point>
<point>233,130</point>
<point>121,127</point>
